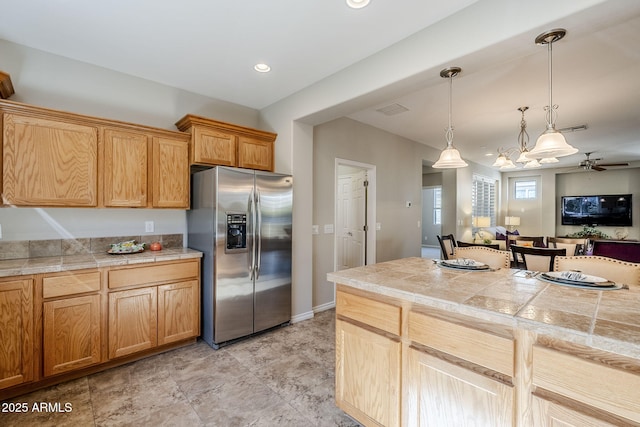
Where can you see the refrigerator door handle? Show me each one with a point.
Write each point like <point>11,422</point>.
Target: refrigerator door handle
<point>251,255</point>
<point>258,210</point>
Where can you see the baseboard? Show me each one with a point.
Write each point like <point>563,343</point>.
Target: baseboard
<point>309,314</point>
<point>324,307</point>
<point>303,316</point>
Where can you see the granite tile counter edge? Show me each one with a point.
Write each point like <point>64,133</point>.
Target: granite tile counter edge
<point>27,266</point>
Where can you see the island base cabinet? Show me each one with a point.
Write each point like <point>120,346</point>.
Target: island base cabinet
<point>71,334</point>
<point>132,321</point>
<point>551,414</point>
<point>440,393</point>
<point>367,375</point>
<point>16,332</point>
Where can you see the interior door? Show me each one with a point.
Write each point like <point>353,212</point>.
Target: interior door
<point>351,219</point>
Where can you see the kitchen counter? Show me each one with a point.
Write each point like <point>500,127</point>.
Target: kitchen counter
<point>25,266</point>
<point>421,344</point>
<point>605,320</point>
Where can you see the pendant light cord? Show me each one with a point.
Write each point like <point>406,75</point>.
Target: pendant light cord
<point>550,108</point>
<point>449,132</point>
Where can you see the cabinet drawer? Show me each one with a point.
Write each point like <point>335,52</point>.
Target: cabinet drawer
<point>381,315</point>
<point>481,348</point>
<point>597,385</point>
<point>69,284</point>
<point>146,275</point>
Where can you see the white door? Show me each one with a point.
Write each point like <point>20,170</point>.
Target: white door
<point>351,219</point>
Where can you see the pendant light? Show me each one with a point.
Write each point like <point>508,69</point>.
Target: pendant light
<point>551,143</point>
<point>450,156</point>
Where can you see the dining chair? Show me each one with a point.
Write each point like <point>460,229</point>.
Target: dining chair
<point>494,258</point>
<point>608,268</point>
<point>536,259</point>
<point>447,244</point>
<point>573,246</point>
<point>468,245</point>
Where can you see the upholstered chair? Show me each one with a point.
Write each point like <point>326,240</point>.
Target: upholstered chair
<point>608,268</point>
<point>494,258</point>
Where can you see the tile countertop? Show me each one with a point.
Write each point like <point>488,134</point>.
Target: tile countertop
<point>24,266</point>
<point>606,320</point>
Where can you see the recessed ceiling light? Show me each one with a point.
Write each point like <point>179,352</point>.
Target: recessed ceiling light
<point>262,68</point>
<point>357,4</point>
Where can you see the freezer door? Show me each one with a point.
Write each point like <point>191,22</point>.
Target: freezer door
<point>274,196</point>
<point>233,285</point>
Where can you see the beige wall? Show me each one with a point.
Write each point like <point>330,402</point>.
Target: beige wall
<point>398,164</point>
<point>52,81</point>
<point>556,183</point>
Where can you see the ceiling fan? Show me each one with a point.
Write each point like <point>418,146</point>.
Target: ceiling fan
<point>592,164</point>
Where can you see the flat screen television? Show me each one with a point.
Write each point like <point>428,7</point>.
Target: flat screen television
<point>612,210</point>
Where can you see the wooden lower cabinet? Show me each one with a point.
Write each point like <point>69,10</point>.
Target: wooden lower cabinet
<point>132,321</point>
<point>178,313</point>
<point>367,375</point>
<point>16,332</point>
<point>444,394</point>
<point>71,334</point>
<point>570,390</point>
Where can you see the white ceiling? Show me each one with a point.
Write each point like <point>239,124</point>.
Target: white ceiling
<point>210,46</point>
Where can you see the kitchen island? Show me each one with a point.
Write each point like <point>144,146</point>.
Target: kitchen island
<point>420,344</point>
<point>63,317</point>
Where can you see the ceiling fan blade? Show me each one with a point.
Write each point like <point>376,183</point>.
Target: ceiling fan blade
<point>613,164</point>
<point>597,168</point>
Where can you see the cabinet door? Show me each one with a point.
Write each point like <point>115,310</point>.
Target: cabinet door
<point>132,321</point>
<point>16,332</point>
<point>440,393</point>
<point>170,173</point>
<point>367,375</point>
<point>71,334</point>
<point>255,154</point>
<point>49,163</point>
<point>126,160</point>
<point>550,414</point>
<point>211,147</point>
<point>178,311</point>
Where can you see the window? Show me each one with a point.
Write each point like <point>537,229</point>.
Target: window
<point>525,190</point>
<point>437,206</point>
<point>483,198</point>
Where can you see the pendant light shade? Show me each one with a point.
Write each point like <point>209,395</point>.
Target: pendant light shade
<point>551,143</point>
<point>450,156</point>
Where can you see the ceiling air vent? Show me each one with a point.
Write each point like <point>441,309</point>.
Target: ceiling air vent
<point>392,109</point>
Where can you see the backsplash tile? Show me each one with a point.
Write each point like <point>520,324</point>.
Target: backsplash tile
<point>44,248</point>
<point>70,247</point>
<point>14,250</point>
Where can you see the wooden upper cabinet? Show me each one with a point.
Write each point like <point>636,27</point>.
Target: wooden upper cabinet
<point>255,154</point>
<point>55,158</point>
<point>210,147</point>
<point>170,173</point>
<point>126,160</point>
<point>219,143</point>
<point>49,162</point>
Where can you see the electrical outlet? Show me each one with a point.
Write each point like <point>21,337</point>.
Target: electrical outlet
<point>0,231</point>
<point>149,227</point>
<point>315,229</point>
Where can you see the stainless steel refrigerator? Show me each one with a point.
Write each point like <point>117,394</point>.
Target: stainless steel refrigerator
<point>241,220</point>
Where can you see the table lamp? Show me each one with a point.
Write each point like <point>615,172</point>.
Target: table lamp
<point>511,221</point>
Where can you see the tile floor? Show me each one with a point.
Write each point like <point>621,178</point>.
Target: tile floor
<point>284,377</point>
